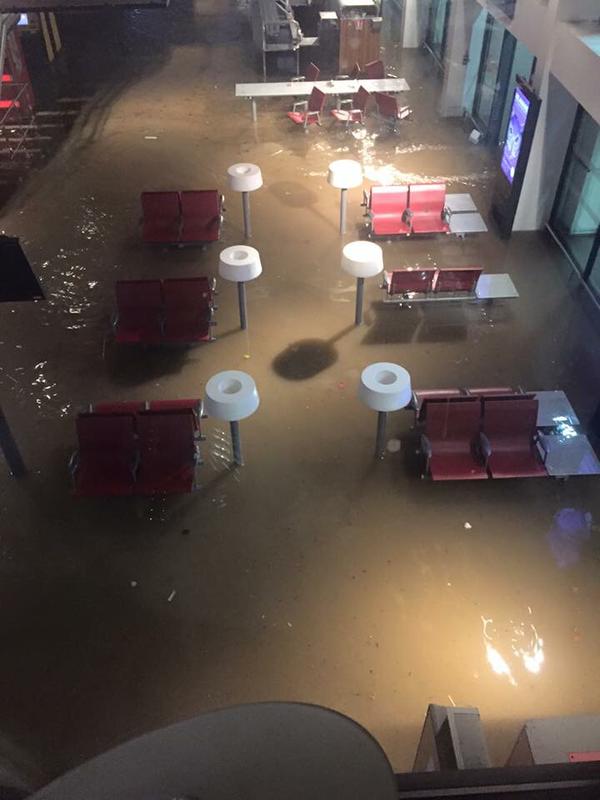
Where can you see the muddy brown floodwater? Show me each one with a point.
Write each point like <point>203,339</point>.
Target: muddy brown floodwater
<point>313,573</point>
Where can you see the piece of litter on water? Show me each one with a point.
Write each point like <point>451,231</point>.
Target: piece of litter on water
<point>246,355</point>
<point>394,445</point>
<point>289,625</point>
<point>151,137</point>
<point>133,584</point>
<point>468,526</point>
<point>277,152</point>
<point>171,596</point>
<point>451,700</point>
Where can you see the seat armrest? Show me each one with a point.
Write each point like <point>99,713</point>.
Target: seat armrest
<point>426,450</point>
<point>346,101</point>
<point>74,463</point>
<point>135,464</point>
<point>485,447</point>
<point>298,78</point>
<point>300,104</point>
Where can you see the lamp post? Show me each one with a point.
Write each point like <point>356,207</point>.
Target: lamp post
<point>232,396</point>
<point>384,387</point>
<point>344,174</point>
<point>361,260</point>
<point>240,263</point>
<point>245,178</point>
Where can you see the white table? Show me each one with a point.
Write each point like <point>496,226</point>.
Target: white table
<point>568,455</point>
<point>470,222</point>
<point>303,88</point>
<point>495,287</point>
<point>460,203</point>
<point>553,409</point>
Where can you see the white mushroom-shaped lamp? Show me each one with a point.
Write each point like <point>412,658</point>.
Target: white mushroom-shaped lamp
<point>344,174</point>
<point>232,396</point>
<point>361,260</point>
<point>384,387</point>
<point>239,264</point>
<point>245,178</point>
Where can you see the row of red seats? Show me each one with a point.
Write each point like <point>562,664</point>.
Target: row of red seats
<point>404,210</point>
<point>192,217</point>
<point>471,438</point>
<point>137,448</point>
<point>436,280</point>
<point>171,311</point>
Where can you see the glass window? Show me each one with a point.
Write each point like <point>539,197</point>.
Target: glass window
<point>522,64</point>
<point>488,72</point>
<point>436,31</point>
<point>576,215</point>
<point>594,278</point>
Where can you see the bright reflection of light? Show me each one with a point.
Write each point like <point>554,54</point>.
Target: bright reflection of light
<point>495,660</point>
<point>527,646</point>
<point>563,427</point>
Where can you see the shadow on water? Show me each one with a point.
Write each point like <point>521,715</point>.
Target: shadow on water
<point>305,359</point>
<point>394,324</point>
<point>293,194</point>
<point>136,366</point>
<point>308,357</point>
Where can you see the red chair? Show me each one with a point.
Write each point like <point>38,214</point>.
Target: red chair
<point>353,75</point>
<point>106,459</point>
<point>388,108</point>
<point>410,281</point>
<point>168,453</point>
<point>387,208</point>
<point>139,312</point>
<point>313,107</point>
<point>311,75</point>
<point>491,391</point>
<point>375,70</point>
<point>509,437</point>
<point>191,405</point>
<point>427,208</point>
<point>126,407</point>
<point>451,439</point>
<point>422,397</point>
<point>188,310</point>
<point>201,213</point>
<point>457,279</point>
<point>162,217</point>
<point>357,110</point>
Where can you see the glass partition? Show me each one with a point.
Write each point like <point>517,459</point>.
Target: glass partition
<point>576,214</point>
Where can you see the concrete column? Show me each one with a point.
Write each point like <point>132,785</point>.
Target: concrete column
<point>414,24</point>
<point>552,135</point>
<point>460,24</point>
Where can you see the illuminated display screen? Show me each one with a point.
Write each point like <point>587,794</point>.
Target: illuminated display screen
<point>514,136</point>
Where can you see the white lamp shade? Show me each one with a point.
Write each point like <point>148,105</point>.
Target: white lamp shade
<point>345,174</point>
<point>362,259</point>
<point>239,263</point>
<point>385,387</point>
<point>244,177</point>
<point>231,396</point>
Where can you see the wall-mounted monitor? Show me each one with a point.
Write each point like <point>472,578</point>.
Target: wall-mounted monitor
<point>514,135</point>
<point>523,118</point>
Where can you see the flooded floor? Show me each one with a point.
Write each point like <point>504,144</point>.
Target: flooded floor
<point>314,573</point>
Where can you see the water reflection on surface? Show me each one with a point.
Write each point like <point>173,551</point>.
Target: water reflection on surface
<point>517,643</point>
